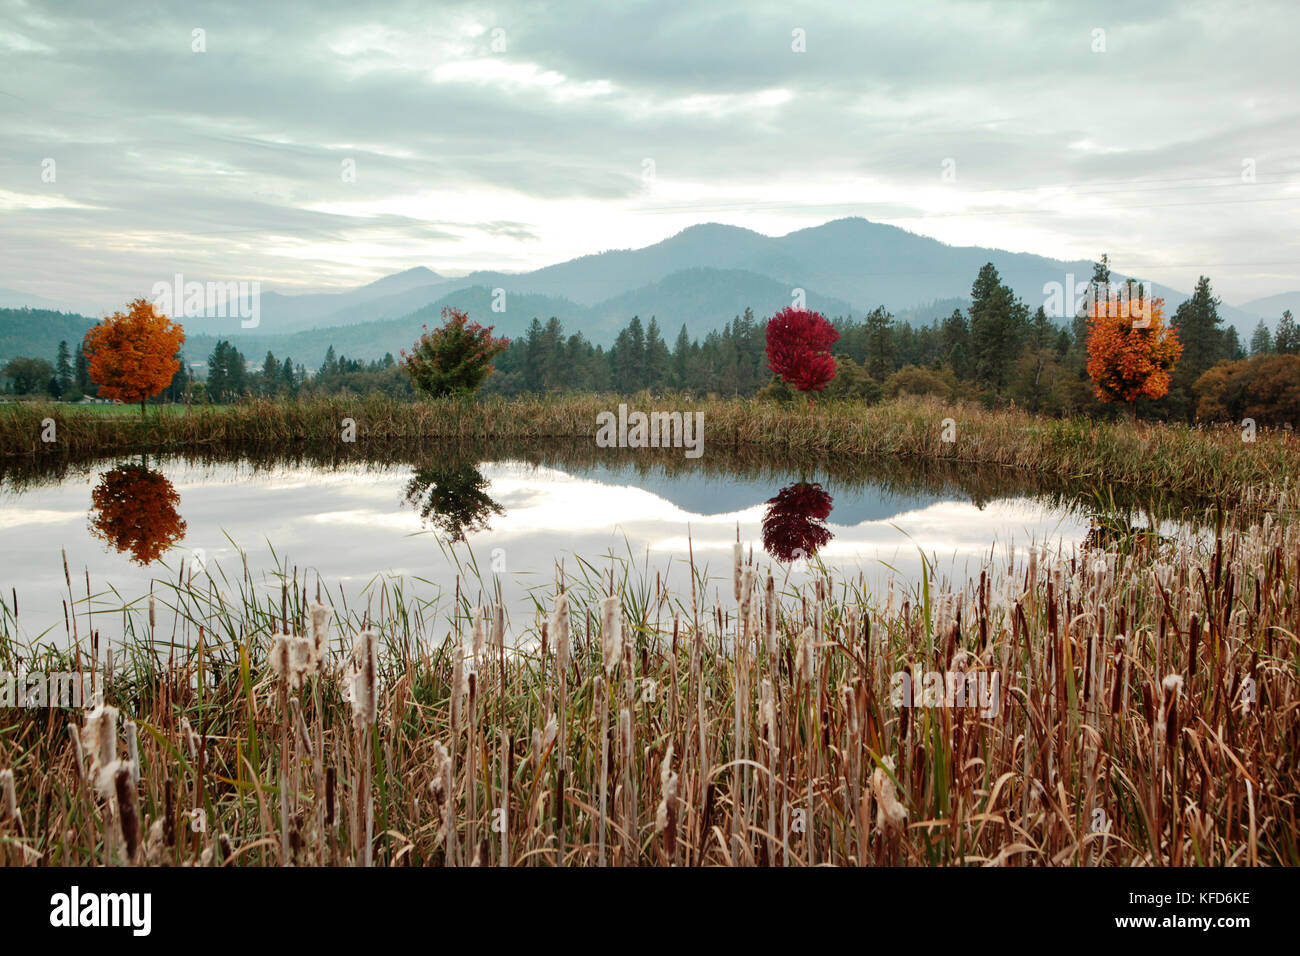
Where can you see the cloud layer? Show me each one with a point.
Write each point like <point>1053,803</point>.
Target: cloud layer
<point>516,135</point>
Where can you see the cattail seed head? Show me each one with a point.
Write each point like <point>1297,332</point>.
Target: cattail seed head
<point>611,633</point>
<point>890,814</point>
<point>365,679</point>
<point>769,619</point>
<point>560,630</point>
<point>737,559</point>
<point>320,629</point>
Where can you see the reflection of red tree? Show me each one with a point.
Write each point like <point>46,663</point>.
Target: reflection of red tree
<point>134,509</point>
<point>794,526</point>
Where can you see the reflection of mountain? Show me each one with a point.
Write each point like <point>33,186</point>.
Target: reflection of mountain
<point>453,498</point>
<point>134,509</point>
<point>722,493</point>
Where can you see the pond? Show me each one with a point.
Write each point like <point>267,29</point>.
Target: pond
<point>486,517</point>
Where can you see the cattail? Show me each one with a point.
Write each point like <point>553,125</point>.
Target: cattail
<point>440,786</point>
<point>737,558</point>
<point>479,636</point>
<point>132,751</point>
<point>769,633</point>
<point>666,814</point>
<point>499,629</point>
<point>890,814</point>
<point>365,679</point>
<point>611,633</point>
<point>320,628</point>
<point>8,796</point>
<point>293,658</point>
<point>459,688</point>
<point>550,733</point>
<point>805,661</point>
<point>191,739</point>
<point>151,611</point>
<point>560,631</point>
<point>99,738</point>
<point>767,711</point>
<point>128,812</point>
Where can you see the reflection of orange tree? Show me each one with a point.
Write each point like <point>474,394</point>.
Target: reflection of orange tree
<point>453,498</point>
<point>794,525</point>
<point>134,509</point>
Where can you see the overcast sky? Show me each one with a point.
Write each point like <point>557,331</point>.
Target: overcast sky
<point>514,135</point>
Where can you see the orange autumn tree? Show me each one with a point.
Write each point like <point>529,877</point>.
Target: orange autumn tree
<point>1130,350</point>
<point>133,354</point>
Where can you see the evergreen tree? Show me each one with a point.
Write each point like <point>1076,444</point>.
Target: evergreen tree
<point>657,357</point>
<point>955,338</point>
<point>1287,339</point>
<point>994,328</point>
<point>270,375</point>
<point>1200,330</point>
<point>880,340</point>
<point>1261,342</point>
<point>63,369</point>
<point>81,371</point>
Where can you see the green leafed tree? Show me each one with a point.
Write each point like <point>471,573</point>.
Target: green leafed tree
<point>454,358</point>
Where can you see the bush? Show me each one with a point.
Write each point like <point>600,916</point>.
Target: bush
<point>1265,388</point>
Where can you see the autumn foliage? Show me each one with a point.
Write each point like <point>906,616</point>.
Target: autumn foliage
<point>133,508</point>
<point>132,355</point>
<point>794,524</point>
<point>798,348</point>
<point>453,358</point>
<point>1130,356</point>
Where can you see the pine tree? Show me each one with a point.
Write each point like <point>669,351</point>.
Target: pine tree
<point>881,350</point>
<point>955,337</point>
<point>81,371</point>
<point>270,375</point>
<point>995,318</point>
<point>1261,342</point>
<point>657,358</point>
<point>63,369</point>
<point>1287,339</point>
<point>1200,330</point>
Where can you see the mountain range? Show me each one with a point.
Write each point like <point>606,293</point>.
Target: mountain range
<point>700,278</point>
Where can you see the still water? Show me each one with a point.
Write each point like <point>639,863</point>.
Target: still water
<point>428,514</point>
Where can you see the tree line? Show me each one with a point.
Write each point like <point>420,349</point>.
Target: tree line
<point>996,352</point>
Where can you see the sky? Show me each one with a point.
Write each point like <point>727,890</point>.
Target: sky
<point>321,145</point>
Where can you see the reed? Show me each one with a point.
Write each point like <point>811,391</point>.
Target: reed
<point>1147,713</point>
<point>1209,461</point>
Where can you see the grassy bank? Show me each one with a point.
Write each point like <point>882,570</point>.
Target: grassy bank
<point>1203,462</point>
<point>1147,713</point>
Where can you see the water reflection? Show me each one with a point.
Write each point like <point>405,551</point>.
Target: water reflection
<point>452,498</point>
<point>134,509</point>
<point>794,524</point>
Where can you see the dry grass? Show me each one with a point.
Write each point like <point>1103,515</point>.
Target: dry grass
<point>755,728</point>
<point>1211,462</point>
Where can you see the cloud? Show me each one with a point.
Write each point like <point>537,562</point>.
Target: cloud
<point>516,135</point>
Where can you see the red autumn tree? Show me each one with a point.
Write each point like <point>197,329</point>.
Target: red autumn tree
<point>1130,351</point>
<point>133,508</point>
<point>453,358</point>
<point>798,349</point>
<point>133,354</point>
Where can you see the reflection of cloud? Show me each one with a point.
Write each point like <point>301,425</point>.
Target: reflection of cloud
<point>18,517</point>
<point>349,525</point>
